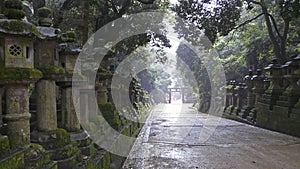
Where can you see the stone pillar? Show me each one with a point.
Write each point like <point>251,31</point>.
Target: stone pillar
<point>46,105</point>
<point>239,99</point>
<point>274,90</point>
<point>84,116</point>
<point>17,115</point>
<point>170,96</point>
<point>90,106</point>
<point>250,95</point>
<point>292,75</point>
<point>234,95</point>
<point>183,94</point>
<point>258,89</point>
<point>102,95</point>
<point>69,117</point>
<point>258,85</point>
<point>1,109</point>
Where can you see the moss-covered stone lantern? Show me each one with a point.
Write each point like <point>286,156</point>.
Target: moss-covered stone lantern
<point>275,76</point>
<point>274,90</point>
<point>68,55</point>
<point>17,71</point>
<point>47,60</point>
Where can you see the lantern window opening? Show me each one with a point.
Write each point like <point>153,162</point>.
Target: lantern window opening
<point>15,50</point>
<point>28,52</point>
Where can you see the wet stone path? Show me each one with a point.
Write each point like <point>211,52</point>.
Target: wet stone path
<point>177,136</point>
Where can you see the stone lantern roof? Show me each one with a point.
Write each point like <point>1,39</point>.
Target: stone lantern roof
<point>45,24</point>
<point>14,23</point>
<point>274,65</point>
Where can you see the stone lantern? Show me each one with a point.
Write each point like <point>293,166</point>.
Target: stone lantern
<point>47,60</point>
<point>68,55</point>
<point>275,76</point>
<point>292,74</point>
<point>17,71</point>
<point>250,95</point>
<point>258,89</point>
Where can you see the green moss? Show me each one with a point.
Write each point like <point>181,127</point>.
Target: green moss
<point>36,156</point>
<point>50,70</point>
<point>106,108</point>
<point>44,12</point>
<point>110,115</point>
<point>126,131</point>
<point>4,145</point>
<point>14,4</point>
<point>229,87</point>
<point>104,75</point>
<point>13,162</point>
<point>34,149</point>
<point>14,13</point>
<point>18,26</point>
<point>2,64</point>
<point>106,161</point>
<point>62,138</point>
<point>20,74</point>
<point>69,36</point>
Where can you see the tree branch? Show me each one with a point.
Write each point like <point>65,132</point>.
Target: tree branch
<point>113,5</point>
<point>241,25</point>
<point>60,16</point>
<point>248,21</point>
<point>275,43</point>
<point>275,25</point>
<point>125,5</point>
<point>255,2</point>
<point>146,1</point>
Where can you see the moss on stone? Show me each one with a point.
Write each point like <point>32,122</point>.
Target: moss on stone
<point>34,149</point>
<point>18,27</point>
<point>14,13</point>
<point>51,70</point>
<point>69,36</point>
<point>126,131</point>
<point>44,12</point>
<point>13,162</point>
<point>14,4</point>
<point>104,75</point>
<point>106,161</point>
<point>2,64</point>
<point>229,87</point>
<point>19,74</point>
<point>36,156</point>
<point>62,138</point>
<point>4,145</point>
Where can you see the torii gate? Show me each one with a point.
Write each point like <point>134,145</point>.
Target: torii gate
<point>177,89</point>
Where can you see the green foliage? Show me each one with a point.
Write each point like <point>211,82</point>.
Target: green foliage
<point>20,74</point>
<point>51,70</point>
<point>13,162</point>
<point>214,17</point>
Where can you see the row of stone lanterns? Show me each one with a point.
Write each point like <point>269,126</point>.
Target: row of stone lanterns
<point>271,100</point>
<point>33,56</point>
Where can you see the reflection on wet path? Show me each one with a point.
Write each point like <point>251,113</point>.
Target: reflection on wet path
<point>177,136</point>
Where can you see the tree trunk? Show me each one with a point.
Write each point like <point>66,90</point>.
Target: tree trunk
<point>86,17</point>
<point>274,40</point>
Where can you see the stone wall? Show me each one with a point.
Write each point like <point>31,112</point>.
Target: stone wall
<point>268,99</point>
